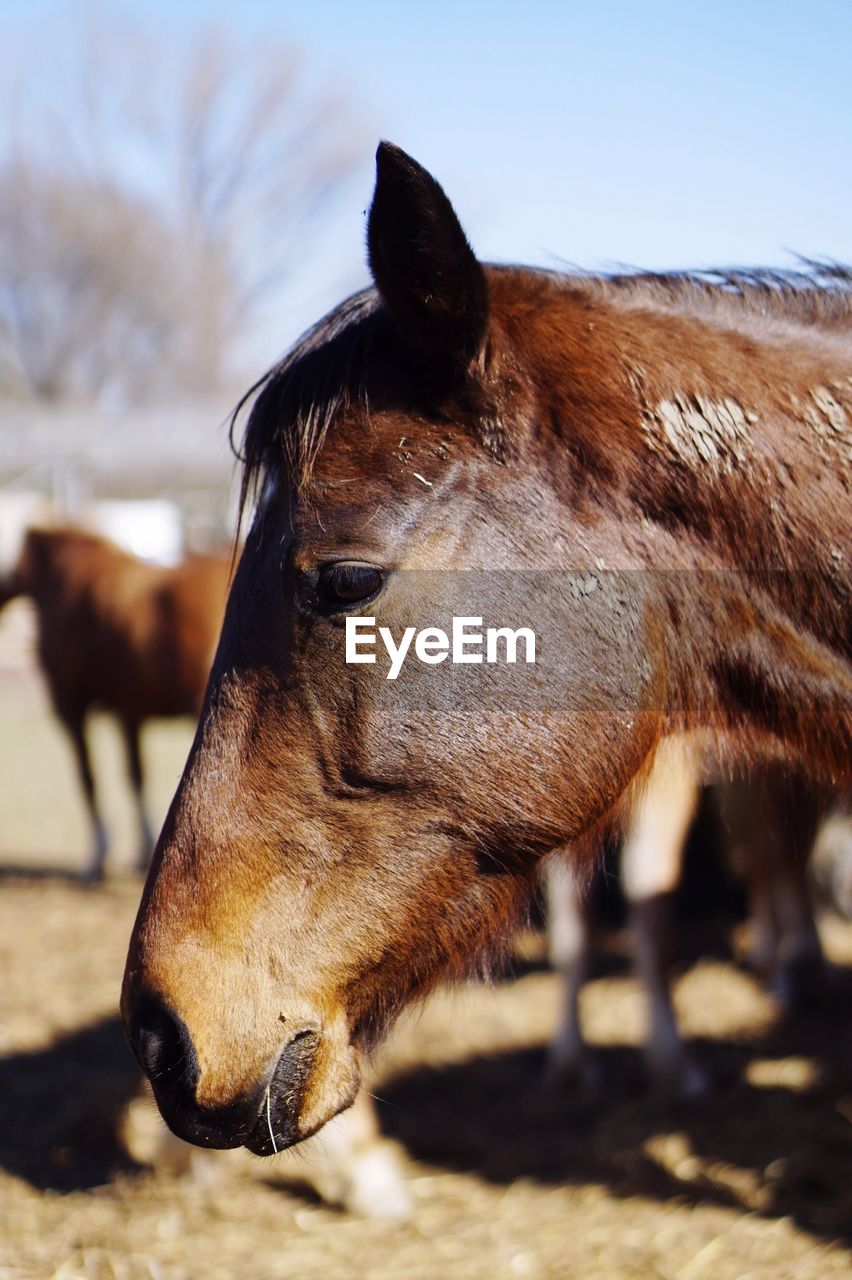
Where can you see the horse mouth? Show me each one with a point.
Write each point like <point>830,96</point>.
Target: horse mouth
<point>277,1126</point>
<point>272,1132</point>
<point>284,1119</point>
<point>272,1128</point>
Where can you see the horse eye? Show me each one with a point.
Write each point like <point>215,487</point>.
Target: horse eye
<point>345,583</point>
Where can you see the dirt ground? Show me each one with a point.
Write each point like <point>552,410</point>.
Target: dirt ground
<point>507,1178</point>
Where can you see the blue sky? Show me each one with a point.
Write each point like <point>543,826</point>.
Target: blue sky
<point>653,133</point>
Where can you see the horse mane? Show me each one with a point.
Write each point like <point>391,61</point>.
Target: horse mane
<point>329,368</point>
<point>814,293</point>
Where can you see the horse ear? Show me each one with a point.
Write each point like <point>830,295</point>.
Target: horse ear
<point>426,272</point>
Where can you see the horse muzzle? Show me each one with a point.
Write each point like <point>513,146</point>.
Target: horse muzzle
<point>281,1110</point>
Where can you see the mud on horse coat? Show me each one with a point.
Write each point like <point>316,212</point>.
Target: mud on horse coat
<point>118,633</point>
<point>658,464</point>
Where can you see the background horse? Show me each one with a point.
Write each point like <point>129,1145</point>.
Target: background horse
<point>651,473</point>
<point>769,821</point>
<point>118,633</point>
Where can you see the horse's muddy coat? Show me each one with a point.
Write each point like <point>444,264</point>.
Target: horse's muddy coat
<point>334,848</point>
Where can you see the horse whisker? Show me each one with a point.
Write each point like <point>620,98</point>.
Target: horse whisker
<point>269,1120</point>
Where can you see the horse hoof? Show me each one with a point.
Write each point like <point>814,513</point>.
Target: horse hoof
<point>803,983</point>
<point>683,1081</point>
<point>376,1189</point>
<point>367,1183</point>
<point>575,1075</point>
<point>694,1083</point>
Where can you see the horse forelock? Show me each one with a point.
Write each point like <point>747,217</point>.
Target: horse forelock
<point>294,404</point>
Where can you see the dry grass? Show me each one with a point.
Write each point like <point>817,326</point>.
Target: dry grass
<point>507,1179</point>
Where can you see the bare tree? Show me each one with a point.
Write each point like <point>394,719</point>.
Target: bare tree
<point>152,210</point>
<point>91,297</point>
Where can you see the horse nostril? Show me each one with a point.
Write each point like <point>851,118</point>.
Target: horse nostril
<point>163,1045</point>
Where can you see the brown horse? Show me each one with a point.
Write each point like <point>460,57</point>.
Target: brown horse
<point>650,473</point>
<point>118,633</point>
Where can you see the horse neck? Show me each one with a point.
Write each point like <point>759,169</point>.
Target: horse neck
<point>737,453</point>
<point>744,434</point>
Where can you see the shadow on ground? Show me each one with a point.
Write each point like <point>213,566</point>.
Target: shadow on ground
<point>62,1108</point>
<point>789,1150</point>
<point>780,1151</point>
<point>25,873</point>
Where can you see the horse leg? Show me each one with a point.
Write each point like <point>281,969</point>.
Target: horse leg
<point>772,819</point>
<point>75,727</point>
<point>137,781</point>
<point>651,860</point>
<point>747,819</point>
<point>831,859</point>
<point>765,942</point>
<point>568,951</point>
<point>350,1164</point>
<point>795,806</point>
